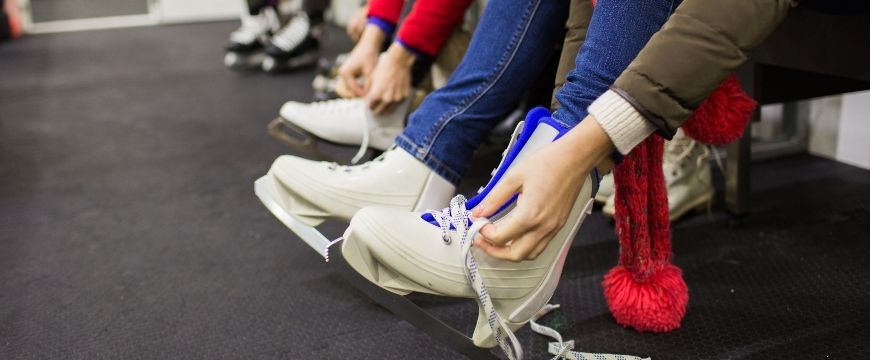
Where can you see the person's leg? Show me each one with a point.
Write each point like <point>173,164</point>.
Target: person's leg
<point>315,9</point>
<point>618,31</point>
<point>579,15</point>
<point>255,6</point>
<point>509,49</point>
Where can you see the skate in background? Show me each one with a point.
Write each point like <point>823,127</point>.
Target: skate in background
<point>277,36</point>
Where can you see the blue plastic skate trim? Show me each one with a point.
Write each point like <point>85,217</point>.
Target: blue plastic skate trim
<point>535,117</point>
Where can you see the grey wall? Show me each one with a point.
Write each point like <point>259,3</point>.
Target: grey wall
<point>50,10</point>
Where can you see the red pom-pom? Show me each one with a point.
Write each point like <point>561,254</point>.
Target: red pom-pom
<point>657,303</point>
<point>723,116</point>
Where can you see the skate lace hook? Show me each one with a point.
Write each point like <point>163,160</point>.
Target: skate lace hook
<point>332,166</point>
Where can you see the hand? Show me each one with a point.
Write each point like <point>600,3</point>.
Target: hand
<point>390,83</point>
<point>357,23</point>
<point>548,182</point>
<point>362,59</point>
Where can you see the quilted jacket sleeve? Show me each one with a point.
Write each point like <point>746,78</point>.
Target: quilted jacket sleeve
<point>695,50</point>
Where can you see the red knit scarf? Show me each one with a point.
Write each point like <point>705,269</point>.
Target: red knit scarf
<point>645,291</point>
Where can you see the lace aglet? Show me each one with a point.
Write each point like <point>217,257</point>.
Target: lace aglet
<point>333,242</point>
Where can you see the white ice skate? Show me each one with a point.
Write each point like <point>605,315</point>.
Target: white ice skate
<point>341,121</point>
<point>605,189</point>
<point>295,46</point>
<point>246,46</point>
<point>304,193</point>
<point>405,252</point>
<point>687,175</point>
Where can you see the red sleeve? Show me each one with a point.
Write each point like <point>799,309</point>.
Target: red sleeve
<point>430,24</point>
<point>387,10</point>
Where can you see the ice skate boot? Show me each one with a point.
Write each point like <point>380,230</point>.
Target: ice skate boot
<point>605,189</point>
<point>687,175</point>
<point>304,193</point>
<point>295,46</point>
<point>405,252</point>
<point>340,121</point>
<point>246,47</point>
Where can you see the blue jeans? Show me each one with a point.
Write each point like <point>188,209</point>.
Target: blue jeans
<point>509,50</point>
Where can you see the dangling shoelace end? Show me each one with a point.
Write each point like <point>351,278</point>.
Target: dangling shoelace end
<point>326,251</point>
<point>565,349</point>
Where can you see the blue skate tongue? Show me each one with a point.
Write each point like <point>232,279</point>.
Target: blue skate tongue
<point>536,117</point>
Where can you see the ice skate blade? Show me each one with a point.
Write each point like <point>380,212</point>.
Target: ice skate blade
<point>297,139</point>
<point>305,143</point>
<point>237,61</point>
<point>273,65</point>
<point>306,232</point>
<point>408,310</point>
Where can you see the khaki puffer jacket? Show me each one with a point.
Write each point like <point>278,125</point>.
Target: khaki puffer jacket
<point>701,43</point>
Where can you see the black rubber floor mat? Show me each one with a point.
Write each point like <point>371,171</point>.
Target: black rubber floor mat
<point>129,229</point>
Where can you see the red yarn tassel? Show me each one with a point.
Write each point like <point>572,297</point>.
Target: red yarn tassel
<point>644,291</point>
<point>723,116</point>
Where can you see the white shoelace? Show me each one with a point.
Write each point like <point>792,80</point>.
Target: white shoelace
<point>339,108</point>
<point>364,145</point>
<point>457,215</point>
<point>565,349</point>
<point>681,147</point>
<point>293,33</point>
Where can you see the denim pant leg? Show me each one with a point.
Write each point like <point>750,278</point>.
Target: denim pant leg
<point>619,29</point>
<point>509,49</point>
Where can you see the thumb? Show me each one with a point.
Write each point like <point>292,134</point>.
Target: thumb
<point>509,184</point>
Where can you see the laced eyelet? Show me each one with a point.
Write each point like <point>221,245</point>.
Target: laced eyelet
<point>446,239</point>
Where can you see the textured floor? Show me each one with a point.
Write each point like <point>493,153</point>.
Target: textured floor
<point>129,229</point>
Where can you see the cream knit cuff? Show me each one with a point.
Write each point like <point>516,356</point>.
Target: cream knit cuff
<point>625,126</point>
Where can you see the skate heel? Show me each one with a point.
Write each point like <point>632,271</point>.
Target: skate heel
<point>360,258</point>
<point>483,336</point>
<point>304,218</point>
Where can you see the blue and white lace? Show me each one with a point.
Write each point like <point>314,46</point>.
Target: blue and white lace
<point>565,349</point>
<point>458,216</point>
<point>293,33</point>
